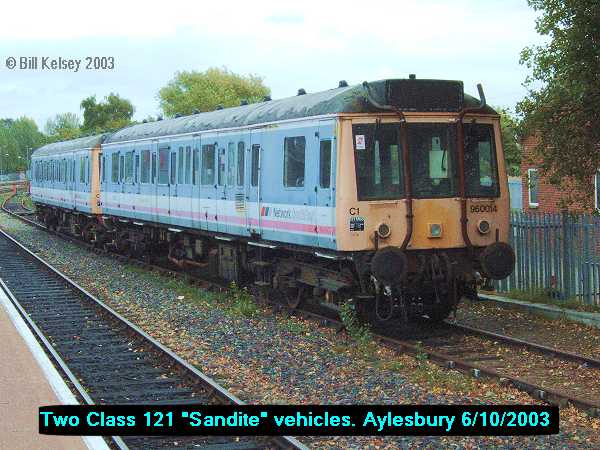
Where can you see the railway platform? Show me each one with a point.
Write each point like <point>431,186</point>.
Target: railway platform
<point>29,380</point>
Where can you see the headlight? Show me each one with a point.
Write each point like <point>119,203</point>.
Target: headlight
<point>483,226</point>
<point>384,231</point>
<point>435,230</point>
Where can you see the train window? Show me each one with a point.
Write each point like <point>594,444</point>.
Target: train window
<point>173,178</point>
<point>481,169</point>
<point>136,175</point>
<point>188,164</point>
<point>221,167</point>
<point>88,169</point>
<point>241,152</point>
<point>325,164</point>
<point>145,175</point>
<point>163,166</point>
<point>180,172</point>
<point>231,164</point>
<point>433,159</point>
<point>294,161</point>
<point>255,162</point>
<point>129,167</point>
<point>114,168</point>
<point>121,168</point>
<point>81,170</point>
<point>153,168</point>
<point>378,161</point>
<point>73,171</point>
<point>208,164</point>
<point>195,168</point>
<point>103,169</point>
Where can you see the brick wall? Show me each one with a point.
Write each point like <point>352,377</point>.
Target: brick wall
<point>549,196</point>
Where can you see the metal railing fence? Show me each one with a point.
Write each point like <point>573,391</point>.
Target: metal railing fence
<point>556,253</point>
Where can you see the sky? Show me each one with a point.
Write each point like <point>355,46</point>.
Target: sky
<point>291,44</point>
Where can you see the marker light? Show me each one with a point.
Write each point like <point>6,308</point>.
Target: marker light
<point>435,230</point>
<point>483,227</point>
<point>383,230</point>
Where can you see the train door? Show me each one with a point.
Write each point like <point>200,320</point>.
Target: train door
<point>325,185</point>
<point>146,188</point>
<point>70,192</point>
<point>79,185</point>
<point>182,213</point>
<point>239,191</point>
<point>162,185</point>
<point>208,183</point>
<point>198,219</point>
<point>129,187</point>
<point>173,195</point>
<point>234,204</point>
<point>253,192</point>
<point>221,188</point>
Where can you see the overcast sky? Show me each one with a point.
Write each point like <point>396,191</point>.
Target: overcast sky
<point>292,44</point>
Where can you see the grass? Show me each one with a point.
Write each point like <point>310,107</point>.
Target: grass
<point>27,202</point>
<point>360,333</point>
<point>543,297</point>
<point>236,302</point>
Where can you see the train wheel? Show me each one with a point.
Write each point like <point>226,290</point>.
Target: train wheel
<point>87,232</point>
<point>439,313</point>
<point>122,242</point>
<point>294,297</point>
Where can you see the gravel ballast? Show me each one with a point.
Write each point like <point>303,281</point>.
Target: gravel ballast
<point>275,359</point>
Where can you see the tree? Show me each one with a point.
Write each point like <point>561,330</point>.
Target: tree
<point>204,91</point>
<point>63,126</point>
<point>111,114</point>
<point>562,107</point>
<point>18,138</point>
<point>510,140</point>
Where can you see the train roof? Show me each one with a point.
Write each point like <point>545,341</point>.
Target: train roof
<point>347,99</point>
<point>70,145</point>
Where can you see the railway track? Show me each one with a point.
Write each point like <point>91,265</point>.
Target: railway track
<point>107,359</point>
<point>545,373</point>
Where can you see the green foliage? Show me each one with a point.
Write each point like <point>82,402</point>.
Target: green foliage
<point>242,302</point>
<point>63,127</point>
<point>510,140</point>
<point>359,332</point>
<point>563,104</point>
<point>18,139</point>
<point>545,296</point>
<point>204,91</point>
<point>109,115</point>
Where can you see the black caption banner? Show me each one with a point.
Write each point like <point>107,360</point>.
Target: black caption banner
<point>299,420</point>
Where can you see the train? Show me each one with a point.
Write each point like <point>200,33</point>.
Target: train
<point>389,195</point>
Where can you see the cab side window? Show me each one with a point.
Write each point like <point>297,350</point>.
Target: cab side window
<point>294,161</point>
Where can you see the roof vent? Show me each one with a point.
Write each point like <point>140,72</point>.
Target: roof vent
<point>244,102</point>
<point>412,76</point>
<point>343,83</point>
<point>301,91</point>
<point>219,107</point>
<point>267,98</point>
<point>196,111</point>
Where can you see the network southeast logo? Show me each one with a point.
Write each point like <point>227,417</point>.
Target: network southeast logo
<point>286,213</point>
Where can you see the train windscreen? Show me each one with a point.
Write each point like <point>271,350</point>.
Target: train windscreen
<point>378,157</point>
<point>432,148</point>
<point>433,160</point>
<point>481,168</point>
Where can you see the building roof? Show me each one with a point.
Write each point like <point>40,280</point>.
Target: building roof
<point>349,99</point>
<point>70,145</point>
